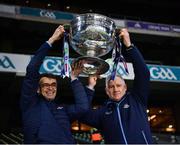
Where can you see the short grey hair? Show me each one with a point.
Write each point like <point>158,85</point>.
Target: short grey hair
<point>109,77</point>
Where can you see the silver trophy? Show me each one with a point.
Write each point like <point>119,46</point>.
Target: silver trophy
<point>92,36</point>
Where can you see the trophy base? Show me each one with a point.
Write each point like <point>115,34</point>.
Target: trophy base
<point>93,65</point>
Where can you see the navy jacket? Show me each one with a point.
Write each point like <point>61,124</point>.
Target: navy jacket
<point>40,124</point>
<point>126,121</point>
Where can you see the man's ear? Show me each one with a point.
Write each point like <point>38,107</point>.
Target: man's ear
<point>38,90</point>
<point>125,87</point>
<point>107,91</point>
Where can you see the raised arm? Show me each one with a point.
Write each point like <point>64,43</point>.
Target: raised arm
<point>90,88</point>
<point>30,83</point>
<point>141,71</point>
<point>93,116</point>
<point>83,95</point>
<point>81,104</point>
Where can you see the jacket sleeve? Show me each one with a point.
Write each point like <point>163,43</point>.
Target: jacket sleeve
<point>90,95</point>
<point>141,83</point>
<point>30,82</point>
<point>81,105</point>
<point>93,116</point>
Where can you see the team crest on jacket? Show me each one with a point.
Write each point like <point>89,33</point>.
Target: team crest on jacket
<point>108,112</point>
<point>126,106</point>
<point>59,107</point>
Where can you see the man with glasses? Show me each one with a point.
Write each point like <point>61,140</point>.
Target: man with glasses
<point>45,121</point>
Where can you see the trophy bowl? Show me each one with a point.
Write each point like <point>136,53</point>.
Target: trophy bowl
<point>93,65</point>
<point>92,36</point>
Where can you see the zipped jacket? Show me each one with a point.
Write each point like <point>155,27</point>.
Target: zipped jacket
<point>126,121</point>
<point>45,122</point>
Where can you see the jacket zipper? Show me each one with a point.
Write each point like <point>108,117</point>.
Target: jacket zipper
<point>120,122</point>
<point>144,136</point>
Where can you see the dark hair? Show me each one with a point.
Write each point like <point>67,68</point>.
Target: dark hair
<point>48,75</point>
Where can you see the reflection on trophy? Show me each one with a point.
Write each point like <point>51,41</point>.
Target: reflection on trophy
<point>92,35</point>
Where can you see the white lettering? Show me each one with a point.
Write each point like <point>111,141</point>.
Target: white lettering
<point>52,65</point>
<point>162,73</point>
<point>47,14</point>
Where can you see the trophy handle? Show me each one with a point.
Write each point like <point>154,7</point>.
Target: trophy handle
<point>65,69</point>
<point>117,55</point>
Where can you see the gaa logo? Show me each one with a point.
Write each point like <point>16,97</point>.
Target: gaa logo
<point>162,73</point>
<point>5,62</point>
<point>52,65</point>
<point>120,69</point>
<point>48,14</point>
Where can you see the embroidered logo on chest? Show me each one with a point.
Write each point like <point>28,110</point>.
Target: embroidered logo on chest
<point>108,112</point>
<point>126,106</point>
<point>59,108</point>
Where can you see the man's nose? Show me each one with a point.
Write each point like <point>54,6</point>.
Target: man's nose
<point>115,88</point>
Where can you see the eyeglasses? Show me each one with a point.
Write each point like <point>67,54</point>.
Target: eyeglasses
<point>46,85</point>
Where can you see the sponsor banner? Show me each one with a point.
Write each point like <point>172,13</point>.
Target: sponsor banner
<point>17,63</point>
<point>151,26</point>
<point>51,65</point>
<point>164,73</point>
<point>7,9</point>
<point>13,62</point>
<point>54,64</point>
<point>45,13</point>
<point>59,15</point>
<point>120,70</point>
<point>176,29</point>
<point>119,23</point>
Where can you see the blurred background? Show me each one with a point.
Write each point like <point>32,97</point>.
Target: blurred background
<point>154,27</point>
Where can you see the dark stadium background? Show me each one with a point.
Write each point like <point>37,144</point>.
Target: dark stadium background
<point>24,37</point>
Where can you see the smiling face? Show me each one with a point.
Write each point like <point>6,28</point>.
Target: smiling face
<point>116,88</point>
<point>48,88</point>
